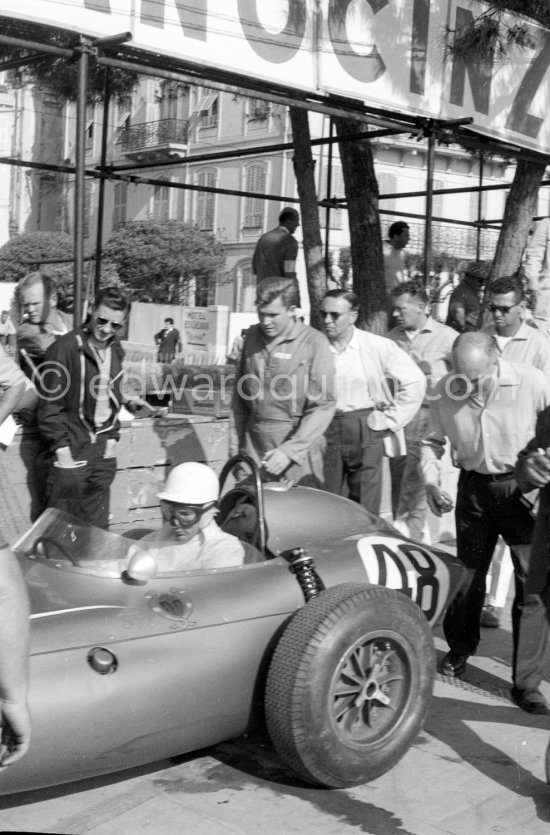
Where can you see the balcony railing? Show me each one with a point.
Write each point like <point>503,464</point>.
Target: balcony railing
<point>460,241</point>
<point>150,136</point>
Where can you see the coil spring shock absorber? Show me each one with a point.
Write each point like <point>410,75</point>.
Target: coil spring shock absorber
<point>303,568</point>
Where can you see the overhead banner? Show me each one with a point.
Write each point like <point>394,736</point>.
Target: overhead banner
<point>391,54</point>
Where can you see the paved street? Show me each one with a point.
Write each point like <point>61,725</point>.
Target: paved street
<point>478,767</point>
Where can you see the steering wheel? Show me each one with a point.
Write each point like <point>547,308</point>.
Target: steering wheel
<point>242,458</point>
<point>46,541</point>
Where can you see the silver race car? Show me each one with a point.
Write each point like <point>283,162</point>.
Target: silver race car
<point>324,633</point>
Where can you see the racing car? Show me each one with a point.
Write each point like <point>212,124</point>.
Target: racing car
<point>324,634</point>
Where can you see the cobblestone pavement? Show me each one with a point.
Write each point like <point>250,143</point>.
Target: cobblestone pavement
<point>477,767</point>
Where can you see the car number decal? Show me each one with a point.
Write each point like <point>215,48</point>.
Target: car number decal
<point>413,569</point>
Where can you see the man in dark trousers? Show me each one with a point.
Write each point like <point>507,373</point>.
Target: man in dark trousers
<point>80,395</point>
<point>277,250</point>
<point>533,474</point>
<point>488,408</point>
<point>168,341</point>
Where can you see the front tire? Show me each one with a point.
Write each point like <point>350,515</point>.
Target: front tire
<point>349,684</point>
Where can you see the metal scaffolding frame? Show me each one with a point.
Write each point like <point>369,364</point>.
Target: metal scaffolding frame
<point>114,52</point>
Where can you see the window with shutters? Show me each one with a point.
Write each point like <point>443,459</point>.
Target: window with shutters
<point>120,204</point>
<point>207,109</point>
<point>255,181</point>
<point>123,116</point>
<point>258,110</point>
<point>205,200</point>
<point>161,201</point>
<point>89,129</point>
<point>245,303</point>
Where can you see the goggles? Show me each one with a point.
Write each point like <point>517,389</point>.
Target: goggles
<point>186,515</point>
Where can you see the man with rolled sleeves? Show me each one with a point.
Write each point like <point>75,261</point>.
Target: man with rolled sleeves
<point>429,344</point>
<point>488,408</point>
<point>518,341</point>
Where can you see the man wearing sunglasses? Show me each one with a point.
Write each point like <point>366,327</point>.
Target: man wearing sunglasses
<point>517,341</point>
<point>80,395</point>
<point>379,389</point>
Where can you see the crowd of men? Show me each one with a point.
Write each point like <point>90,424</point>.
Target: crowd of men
<point>323,409</point>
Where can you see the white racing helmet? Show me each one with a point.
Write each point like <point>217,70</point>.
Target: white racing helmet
<point>191,483</point>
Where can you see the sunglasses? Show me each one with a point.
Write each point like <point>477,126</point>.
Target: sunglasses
<point>116,326</point>
<point>185,515</point>
<point>502,308</point>
<point>331,315</point>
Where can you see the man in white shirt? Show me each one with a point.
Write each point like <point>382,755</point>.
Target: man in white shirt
<point>379,389</point>
<point>190,538</point>
<point>517,342</point>
<point>7,332</point>
<point>429,344</point>
<point>394,256</point>
<point>488,408</point>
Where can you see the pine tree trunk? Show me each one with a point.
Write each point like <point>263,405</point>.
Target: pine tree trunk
<point>518,215</point>
<point>367,258</point>
<point>304,169</point>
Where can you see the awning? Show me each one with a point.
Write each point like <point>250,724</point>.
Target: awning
<point>206,103</point>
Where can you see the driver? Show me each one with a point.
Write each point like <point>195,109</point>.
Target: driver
<point>190,538</point>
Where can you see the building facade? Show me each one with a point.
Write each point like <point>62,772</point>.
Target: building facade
<point>179,136</point>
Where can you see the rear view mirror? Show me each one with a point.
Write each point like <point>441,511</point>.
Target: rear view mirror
<point>142,567</point>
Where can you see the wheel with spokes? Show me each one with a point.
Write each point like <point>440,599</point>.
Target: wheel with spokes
<point>349,684</point>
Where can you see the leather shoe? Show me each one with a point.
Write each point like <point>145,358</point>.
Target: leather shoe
<point>453,664</point>
<point>530,700</point>
<point>489,617</point>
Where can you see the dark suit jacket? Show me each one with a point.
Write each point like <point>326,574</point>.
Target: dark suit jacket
<point>540,547</point>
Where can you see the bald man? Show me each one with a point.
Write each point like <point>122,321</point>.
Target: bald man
<point>487,408</point>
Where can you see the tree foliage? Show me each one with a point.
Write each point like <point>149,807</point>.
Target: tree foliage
<point>160,260</point>
<point>60,75</point>
<point>500,27</point>
<point>30,251</point>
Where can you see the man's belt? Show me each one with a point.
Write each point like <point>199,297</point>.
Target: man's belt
<point>492,476</point>
<point>340,413</point>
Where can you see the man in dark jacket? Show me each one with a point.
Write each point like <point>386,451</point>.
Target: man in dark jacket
<point>80,390</point>
<point>276,251</point>
<point>168,341</point>
<point>533,474</point>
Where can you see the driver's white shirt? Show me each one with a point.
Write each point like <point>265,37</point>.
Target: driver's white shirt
<point>210,548</point>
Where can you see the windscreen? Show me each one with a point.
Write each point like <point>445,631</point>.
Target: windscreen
<point>58,536</point>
